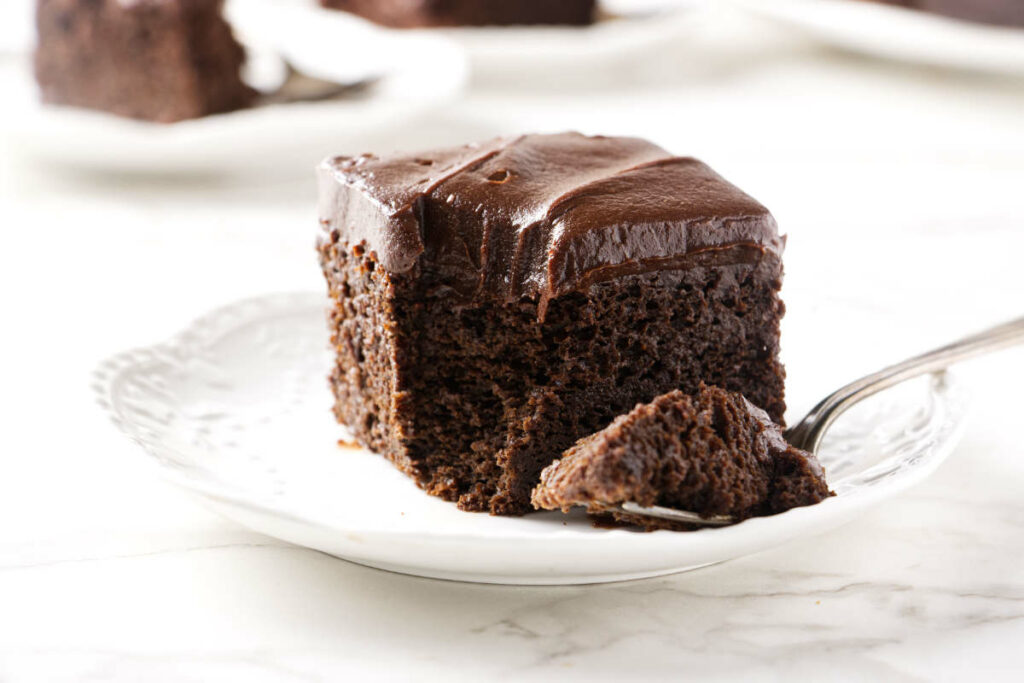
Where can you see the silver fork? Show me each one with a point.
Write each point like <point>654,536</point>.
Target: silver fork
<point>301,87</point>
<point>808,433</point>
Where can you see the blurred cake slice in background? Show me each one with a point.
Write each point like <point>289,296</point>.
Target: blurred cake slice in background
<point>421,13</point>
<point>160,60</point>
<point>998,12</point>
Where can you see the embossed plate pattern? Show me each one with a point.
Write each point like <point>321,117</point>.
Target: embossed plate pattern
<point>236,410</point>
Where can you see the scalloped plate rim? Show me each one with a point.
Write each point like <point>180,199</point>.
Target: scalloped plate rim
<point>812,520</point>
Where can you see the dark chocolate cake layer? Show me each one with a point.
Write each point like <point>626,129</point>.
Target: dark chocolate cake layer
<point>417,13</point>
<point>494,303</point>
<point>161,60</point>
<point>712,453</point>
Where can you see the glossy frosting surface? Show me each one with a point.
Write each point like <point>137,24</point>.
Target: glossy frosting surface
<point>541,215</point>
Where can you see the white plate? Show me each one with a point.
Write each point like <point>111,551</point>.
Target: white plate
<point>236,409</point>
<point>265,137</point>
<point>903,34</point>
<point>314,37</point>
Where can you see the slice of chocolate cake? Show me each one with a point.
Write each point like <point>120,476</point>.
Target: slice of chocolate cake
<point>421,13</point>
<point>493,303</point>
<point>161,60</point>
<point>712,453</point>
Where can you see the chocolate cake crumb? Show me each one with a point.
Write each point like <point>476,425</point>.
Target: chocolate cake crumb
<point>712,453</point>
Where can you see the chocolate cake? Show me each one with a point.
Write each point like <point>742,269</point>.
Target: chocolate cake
<point>493,303</point>
<point>996,12</point>
<point>712,453</point>
<point>420,13</point>
<point>162,60</point>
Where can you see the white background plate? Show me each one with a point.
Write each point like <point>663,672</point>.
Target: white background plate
<point>236,409</point>
<point>311,36</point>
<point>293,135</point>
<point>904,34</point>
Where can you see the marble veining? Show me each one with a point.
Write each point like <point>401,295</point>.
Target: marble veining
<point>108,574</point>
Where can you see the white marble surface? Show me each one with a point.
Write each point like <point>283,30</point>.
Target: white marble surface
<point>901,189</point>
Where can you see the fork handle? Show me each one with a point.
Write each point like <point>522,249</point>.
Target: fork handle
<point>807,435</point>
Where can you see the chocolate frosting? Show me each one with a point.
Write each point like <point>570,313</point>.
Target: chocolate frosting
<point>541,215</point>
